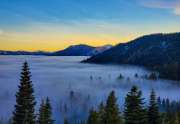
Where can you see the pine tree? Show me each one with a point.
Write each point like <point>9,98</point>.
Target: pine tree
<point>112,113</point>
<point>66,121</point>
<point>153,110</point>
<point>101,113</point>
<point>48,112</point>
<point>134,112</point>
<point>24,112</point>
<point>45,113</point>
<point>93,117</point>
<point>41,118</point>
<point>120,76</point>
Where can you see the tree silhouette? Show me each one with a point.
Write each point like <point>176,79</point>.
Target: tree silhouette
<point>25,100</point>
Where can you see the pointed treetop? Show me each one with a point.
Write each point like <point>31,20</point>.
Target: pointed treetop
<point>25,101</point>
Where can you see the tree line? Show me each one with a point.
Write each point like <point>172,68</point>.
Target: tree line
<point>158,111</point>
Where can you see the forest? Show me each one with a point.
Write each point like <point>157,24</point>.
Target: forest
<point>135,109</point>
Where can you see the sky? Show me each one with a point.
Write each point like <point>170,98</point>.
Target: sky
<point>52,25</point>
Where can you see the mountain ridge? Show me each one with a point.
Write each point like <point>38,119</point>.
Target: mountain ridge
<point>159,52</point>
<point>73,50</point>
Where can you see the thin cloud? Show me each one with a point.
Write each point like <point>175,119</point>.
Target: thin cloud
<point>172,5</point>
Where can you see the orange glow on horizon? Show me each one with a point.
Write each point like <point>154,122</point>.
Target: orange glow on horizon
<point>49,43</point>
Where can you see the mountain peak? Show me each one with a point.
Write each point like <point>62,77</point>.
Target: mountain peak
<point>82,50</point>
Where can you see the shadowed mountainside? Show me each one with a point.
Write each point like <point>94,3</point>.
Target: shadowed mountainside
<point>156,51</point>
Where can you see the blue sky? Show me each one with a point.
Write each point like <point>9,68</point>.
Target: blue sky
<point>27,11</point>
<point>94,22</point>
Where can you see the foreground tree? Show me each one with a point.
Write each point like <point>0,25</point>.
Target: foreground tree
<point>66,121</point>
<point>45,113</point>
<point>41,118</point>
<point>49,112</point>
<point>153,110</point>
<point>112,113</point>
<point>93,117</point>
<point>101,113</point>
<point>134,112</point>
<point>24,112</point>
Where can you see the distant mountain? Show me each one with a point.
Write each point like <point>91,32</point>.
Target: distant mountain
<point>75,50</point>
<point>81,50</point>
<point>152,51</point>
<point>2,52</point>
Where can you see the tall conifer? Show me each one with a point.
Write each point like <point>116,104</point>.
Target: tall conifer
<point>49,112</point>
<point>66,121</point>
<point>101,113</point>
<point>93,117</point>
<point>153,110</point>
<point>134,112</point>
<point>24,112</point>
<point>45,113</point>
<point>42,118</point>
<point>112,113</point>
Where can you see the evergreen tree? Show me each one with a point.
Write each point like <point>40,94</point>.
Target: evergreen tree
<point>66,121</point>
<point>24,112</point>
<point>93,117</point>
<point>134,112</point>
<point>101,113</point>
<point>153,76</point>
<point>153,110</point>
<point>178,117</point>
<point>112,113</point>
<point>120,76</point>
<point>48,112</point>
<point>45,113</point>
<point>159,102</point>
<point>136,75</point>
<point>42,110</point>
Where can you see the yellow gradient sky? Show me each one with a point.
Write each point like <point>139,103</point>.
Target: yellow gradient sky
<point>54,25</point>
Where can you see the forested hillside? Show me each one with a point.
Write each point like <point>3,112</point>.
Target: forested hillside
<point>157,51</point>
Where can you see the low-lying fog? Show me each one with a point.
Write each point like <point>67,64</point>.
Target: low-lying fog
<point>74,87</point>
